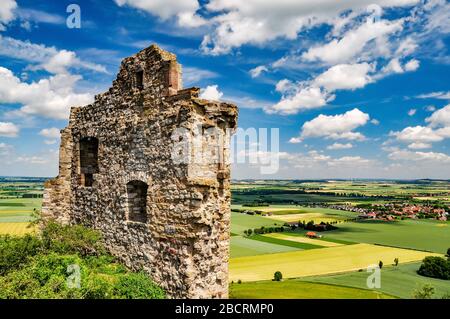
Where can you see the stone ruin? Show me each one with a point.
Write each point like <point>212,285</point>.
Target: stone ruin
<point>129,166</point>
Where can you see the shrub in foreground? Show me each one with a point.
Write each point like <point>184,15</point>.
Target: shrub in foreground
<point>67,262</point>
<point>15,251</point>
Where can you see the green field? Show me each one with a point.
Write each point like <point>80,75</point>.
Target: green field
<point>414,234</point>
<point>296,289</point>
<point>323,268</point>
<point>15,210</point>
<point>317,218</point>
<point>400,281</point>
<point>284,242</point>
<point>295,209</point>
<point>241,246</point>
<point>319,243</point>
<point>313,262</point>
<point>18,210</point>
<point>241,222</point>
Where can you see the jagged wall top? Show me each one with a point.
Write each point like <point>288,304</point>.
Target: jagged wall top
<point>152,70</point>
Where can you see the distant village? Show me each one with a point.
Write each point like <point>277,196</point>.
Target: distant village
<point>392,211</point>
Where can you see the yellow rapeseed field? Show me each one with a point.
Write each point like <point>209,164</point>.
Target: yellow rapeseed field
<point>17,229</point>
<point>319,261</point>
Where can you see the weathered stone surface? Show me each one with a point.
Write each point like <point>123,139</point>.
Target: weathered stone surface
<point>117,173</point>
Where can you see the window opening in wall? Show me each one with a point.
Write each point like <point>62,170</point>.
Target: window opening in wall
<point>88,160</point>
<point>140,79</point>
<point>137,201</point>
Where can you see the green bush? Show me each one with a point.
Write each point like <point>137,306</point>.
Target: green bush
<point>15,251</point>
<point>72,239</point>
<point>137,286</point>
<point>45,277</point>
<point>40,268</point>
<point>435,267</point>
<point>426,292</point>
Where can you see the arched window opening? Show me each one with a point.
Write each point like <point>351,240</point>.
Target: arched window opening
<point>137,201</point>
<point>88,160</point>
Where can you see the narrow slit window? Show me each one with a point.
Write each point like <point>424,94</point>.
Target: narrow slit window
<point>88,160</point>
<point>140,79</point>
<point>137,201</point>
<point>88,179</point>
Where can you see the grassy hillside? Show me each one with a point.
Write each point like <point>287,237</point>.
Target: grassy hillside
<point>400,281</point>
<point>424,234</point>
<point>241,246</point>
<point>241,222</point>
<point>295,289</point>
<point>318,261</point>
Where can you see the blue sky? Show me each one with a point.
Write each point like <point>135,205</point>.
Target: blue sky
<point>357,89</point>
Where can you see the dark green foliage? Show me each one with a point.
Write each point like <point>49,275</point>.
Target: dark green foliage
<point>137,286</point>
<point>72,239</point>
<point>15,251</point>
<point>277,276</point>
<point>426,292</point>
<point>435,267</point>
<point>42,267</point>
<point>266,230</point>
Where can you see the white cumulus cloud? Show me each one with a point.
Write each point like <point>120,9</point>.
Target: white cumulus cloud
<point>184,11</point>
<point>440,117</point>
<point>420,134</point>
<point>353,42</point>
<point>419,145</point>
<point>8,129</point>
<point>211,92</point>
<point>303,99</point>
<point>7,9</point>
<point>335,127</point>
<point>259,21</point>
<point>46,58</point>
<point>403,155</point>
<point>50,97</point>
<point>339,146</point>
<point>255,72</point>
<point>52,132</point>
<point>421,137</point>
<point>345,76</point>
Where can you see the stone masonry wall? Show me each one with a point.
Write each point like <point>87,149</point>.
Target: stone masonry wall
<point>149,133</point>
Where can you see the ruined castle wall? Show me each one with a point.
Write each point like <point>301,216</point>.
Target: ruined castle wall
<point>140,123</point>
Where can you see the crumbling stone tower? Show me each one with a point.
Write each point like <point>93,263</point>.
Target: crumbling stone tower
<point>146,164</point>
